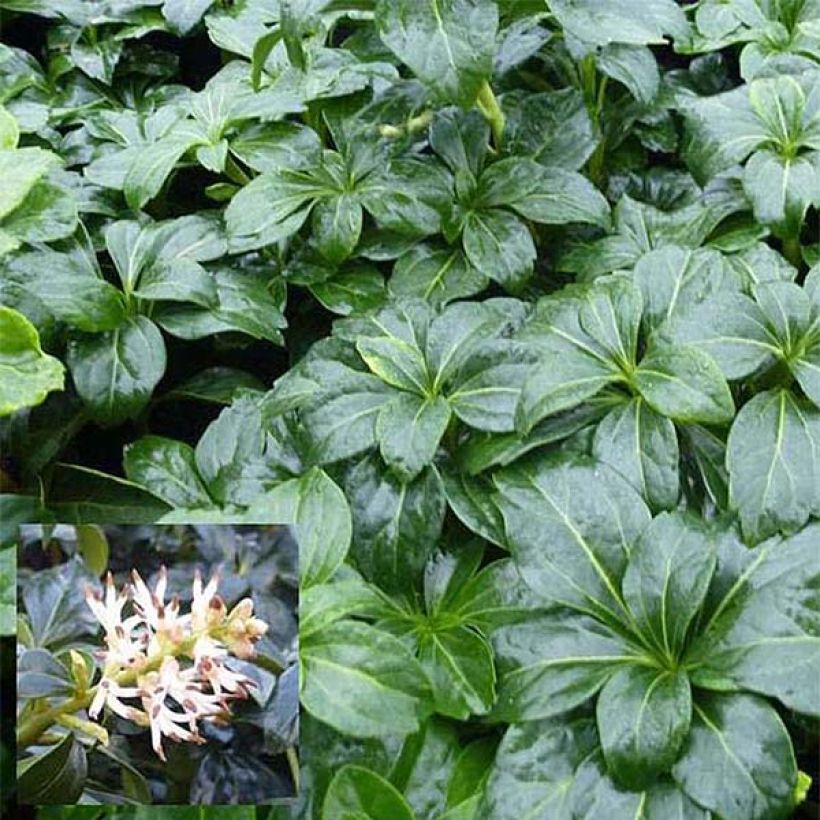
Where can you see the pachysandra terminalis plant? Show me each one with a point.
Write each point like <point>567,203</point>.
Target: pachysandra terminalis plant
<point>509,307</point>
<point>171,664</point>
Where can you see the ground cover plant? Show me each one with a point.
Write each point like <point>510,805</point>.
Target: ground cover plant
<point>511,307</point>
<point>177,687</point>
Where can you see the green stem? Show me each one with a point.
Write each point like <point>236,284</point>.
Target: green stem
<point>293,763</point>
<point>235,173</point>
<point>487,104</point>
<point>268,664</point>
<point>792,250</point>
<point>595,93</point>
<point>32,728</point>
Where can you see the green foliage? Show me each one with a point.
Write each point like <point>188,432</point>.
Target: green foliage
<point>511,308</point>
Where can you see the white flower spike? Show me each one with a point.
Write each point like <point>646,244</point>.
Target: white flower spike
<point>144,652</point>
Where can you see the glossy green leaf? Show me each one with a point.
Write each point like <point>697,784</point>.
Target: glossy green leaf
<point>552,664</point>
<point>395,524</point>
<point>231,455</point>
<point>337,225</point>
<point>21,169</point>
<point>439,276</point>
<point>448,44</point>
<point>643,447</point>
<point>569,524</point>
<point>677,280</point>
<point>341,421</point>
<point>55,605</point>
<point>669,571</point>
<point>359,792</point>
<point>243,303</point>
<point>556,196</point>
<point>499,245</point>
<point>409,430</point>
<point>601,23</point>
<point>80,494</point>
<point>179,280</point>
<point>166,468</point>
<point>58,776</point>
<point>153,165</point>
<point>40,674</point>
<point>425,766</point>
<point>116,372</point>
<point>183,15</point>
<point>643,718</point>
<point>731,328</point>
<point>29,374</point>
<point>535,767</point>
<point>686,385</point>
<point>362,681</point>
<point>575,367</point>
<point>772,463</point>
<point>762,634</point>
<point>272,207</point>
<point>611,315</point>
<point>317,508</point>
<point>738,760</point>
<point>487,388</point>
<point>357,288</point>
<point>459,663</point>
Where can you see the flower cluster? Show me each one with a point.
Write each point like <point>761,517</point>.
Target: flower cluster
<point>142,659</point>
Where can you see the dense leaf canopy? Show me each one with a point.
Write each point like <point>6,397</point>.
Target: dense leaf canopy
<point>510,307</point>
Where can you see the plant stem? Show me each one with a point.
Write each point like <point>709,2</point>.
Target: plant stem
<point>293,763</point>
<point>487,104</point>
<point>32,728</point>
<point>268,664</point>
<point>792,250</point>
<point>235,173</point>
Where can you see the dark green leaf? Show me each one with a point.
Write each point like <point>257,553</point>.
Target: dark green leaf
<point>499,245</point>
<point>686,385</point>
<point>318,510</point>
<point>395,525</point>
<point>40,674</point>
<point>448,44</point>
<point>55,604</point>
<point>738,760</point>
<point>552,664</point>
<point>773,465</point>
<point>166,468</point>
<point>459,663</point>
<point>669,571</point>
<point>643,718</point>
<point>361,793</point>
<point>409,430</point>
<point>643,447</point>
<point>569,524</point>
<point>58,776</point>
<point>116,372</point>
<point>763,632</point>
<point>362,681</point>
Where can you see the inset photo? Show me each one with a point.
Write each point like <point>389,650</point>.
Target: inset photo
<point>157,664</point>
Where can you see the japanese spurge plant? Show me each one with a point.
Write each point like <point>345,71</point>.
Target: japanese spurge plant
<point>676,630</point>
<point>511,308</point>
<point>173,663</point>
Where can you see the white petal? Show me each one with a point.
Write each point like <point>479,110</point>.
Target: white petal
<point>97,703</point>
